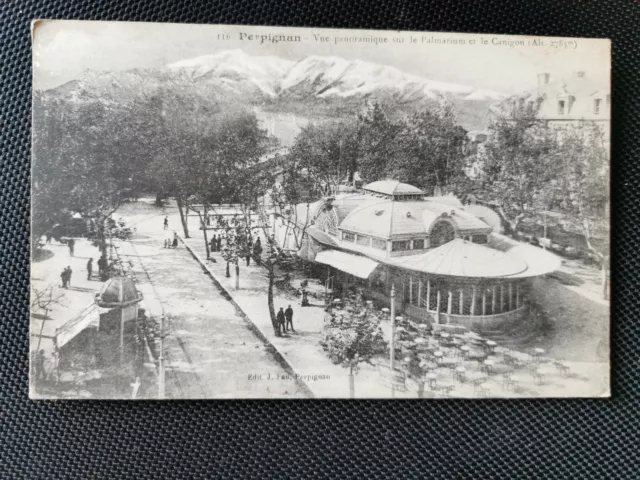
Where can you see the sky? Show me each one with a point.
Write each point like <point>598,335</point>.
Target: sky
<point>64,50</point>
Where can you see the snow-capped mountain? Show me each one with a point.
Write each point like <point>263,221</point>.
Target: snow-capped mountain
<point>322,77</point>
<point>236,71</point>
<point>238,76</point>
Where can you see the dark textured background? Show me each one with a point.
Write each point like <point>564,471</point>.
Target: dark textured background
<point>555,439</point>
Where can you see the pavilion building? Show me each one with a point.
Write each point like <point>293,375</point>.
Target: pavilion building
<point>445,264</point>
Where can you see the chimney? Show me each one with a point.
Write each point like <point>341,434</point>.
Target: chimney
<point>580,74</point>
<point>543,79</point>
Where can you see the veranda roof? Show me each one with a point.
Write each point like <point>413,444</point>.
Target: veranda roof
<point>539,261</point>
<point>460,258</point>
<point>356,265</point>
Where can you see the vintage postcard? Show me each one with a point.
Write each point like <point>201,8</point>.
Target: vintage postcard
<point>263,212</point>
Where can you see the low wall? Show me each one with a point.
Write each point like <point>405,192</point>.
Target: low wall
<point>470,321</point>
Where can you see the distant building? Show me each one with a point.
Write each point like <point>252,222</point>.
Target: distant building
<point>563,102</point>
<point>445,263</point>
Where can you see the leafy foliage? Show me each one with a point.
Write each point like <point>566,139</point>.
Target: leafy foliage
<point>520,165</point>
<point>425,149</point>
<point>352,333</point>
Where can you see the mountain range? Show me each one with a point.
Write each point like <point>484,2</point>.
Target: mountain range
<point>321,79</point>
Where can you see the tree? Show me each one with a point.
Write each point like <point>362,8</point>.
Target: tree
<point>520,164</point>
<point>327,154</point>
<point>80,165</point>
<point>584,189</point>
<point>425,149</point>
<point>352,335</point>
<point>237,242</point>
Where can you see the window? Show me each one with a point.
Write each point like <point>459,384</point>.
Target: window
<point>561,107</point>
<point>379,243</point>
<point>480,239</point>
<point>418,244</point>
<point>348,237</point>
<point>363,240</point>
<point>400,246</point>
<point>441,233</point>
<point>596,106</point>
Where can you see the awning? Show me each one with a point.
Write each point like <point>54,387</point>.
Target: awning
<point>355,265</point>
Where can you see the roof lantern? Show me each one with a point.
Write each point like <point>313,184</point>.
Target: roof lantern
<point>393,190</point>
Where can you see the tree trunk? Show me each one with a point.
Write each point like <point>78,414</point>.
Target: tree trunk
<point>102,238</point>
<point>272,309</point>
<point>183,217</point>
<point>227,273</point>
<point>238,273</point>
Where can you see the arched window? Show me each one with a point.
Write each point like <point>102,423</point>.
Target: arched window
<point>441,233</point>
<point>327,221</point>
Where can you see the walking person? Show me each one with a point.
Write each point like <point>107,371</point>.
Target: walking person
<point>288,313</point>
<point>280,319</point>
<point>175,240</point>
<point>63,278</point>
<point>219,243</point>
<point>166,222</point>
<point>102,266</point>
<point>89,268</point>
<point>48,235</point>
<point>69,272</point>
<point>72,245</point>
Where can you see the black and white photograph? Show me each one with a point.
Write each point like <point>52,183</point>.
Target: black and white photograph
<point>250,212</point>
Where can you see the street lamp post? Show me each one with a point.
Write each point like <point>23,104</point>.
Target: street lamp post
<point>392,348</point>
<point>161,361</point>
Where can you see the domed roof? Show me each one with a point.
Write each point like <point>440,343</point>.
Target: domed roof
<point>384,218</point>
<point>392,187</point>
<point>118,292</point>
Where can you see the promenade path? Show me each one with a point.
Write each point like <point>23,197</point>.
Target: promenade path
<point>210,348</point>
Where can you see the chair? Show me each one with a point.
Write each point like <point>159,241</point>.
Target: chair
<point>538,376</point>
<point>563,369</point>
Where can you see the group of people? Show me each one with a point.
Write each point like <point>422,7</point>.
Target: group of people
<point>284,319</point>
<point>215,245</point>
<point>171,243</point>
<point>66,277</point>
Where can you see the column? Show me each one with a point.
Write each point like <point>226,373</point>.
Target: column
<point>428,294</point>
<point>419,291</point>
<point>438,306</point>
<point>493,300</point>
<point>501,297</point>
<point>449,302</point>
<point>461,301</point>
<point>410,289</point>
<point>473,300</point>
<point>517,295</point>
<point>510,296</point>
<point>484,301</point>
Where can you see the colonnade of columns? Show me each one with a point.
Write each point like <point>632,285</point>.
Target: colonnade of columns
<point>491,300</point>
